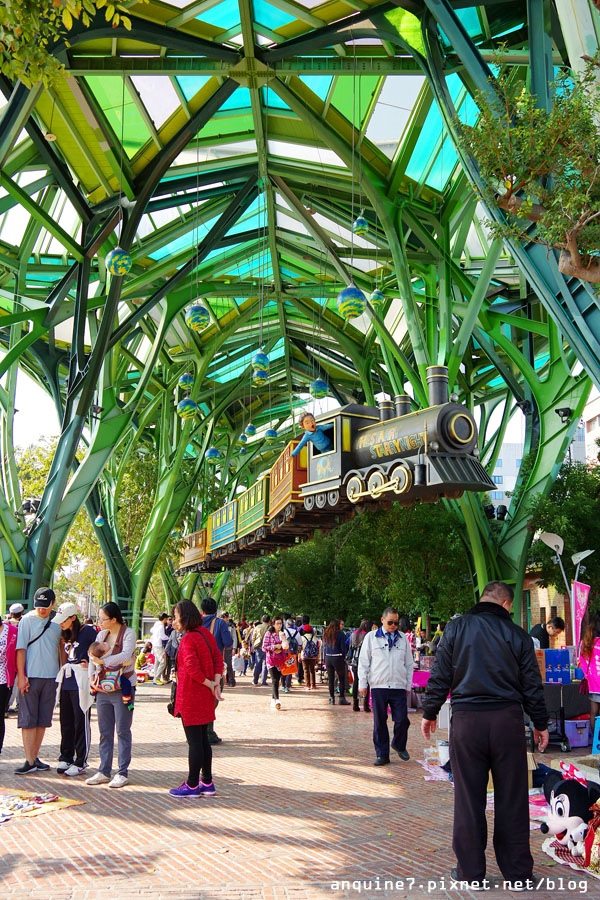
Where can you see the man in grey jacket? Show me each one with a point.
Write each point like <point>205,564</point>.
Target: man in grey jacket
<point>386,664</point>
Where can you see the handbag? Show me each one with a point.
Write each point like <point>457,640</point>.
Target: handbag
<point>584,685</point>
<point>171,703</point>
<point>290,664</point>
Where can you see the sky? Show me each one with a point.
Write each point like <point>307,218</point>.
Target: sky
<point>36,417</point>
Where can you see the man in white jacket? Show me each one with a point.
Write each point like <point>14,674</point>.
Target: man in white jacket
<point>386,665</point>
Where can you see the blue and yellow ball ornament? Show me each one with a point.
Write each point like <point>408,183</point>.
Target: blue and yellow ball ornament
<point>186,408</point>
<point>360,227</point>
<point>260,360</point>
<point>242,440</point>
<point>270,436</point>
<point>99,521</point>
<point>185,381</point>
<point>197,318</point>
<point>250,430</point>
<point>260,377</point>
<point>351,302</point>
<point>213,455</point>
<point>377,299</point>
<point>243,450</point>
<point>319,389</point>
<point>118,261</point>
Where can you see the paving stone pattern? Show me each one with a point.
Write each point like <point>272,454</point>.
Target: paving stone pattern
<point>299,811</point>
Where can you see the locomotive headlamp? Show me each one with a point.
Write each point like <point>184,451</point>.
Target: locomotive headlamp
<point>461,429</point>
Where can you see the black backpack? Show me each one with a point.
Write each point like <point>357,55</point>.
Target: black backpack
<point>355,652</point>
<point>310,649</point>
<point>292,641</point>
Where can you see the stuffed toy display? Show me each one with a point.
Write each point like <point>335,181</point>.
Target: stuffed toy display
<point>573,816</point>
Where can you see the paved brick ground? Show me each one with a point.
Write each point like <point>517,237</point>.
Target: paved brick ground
<point>299,809</point>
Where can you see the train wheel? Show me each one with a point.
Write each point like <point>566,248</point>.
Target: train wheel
<point>403,476</point>
<point>333,498</point>
<point>354,489</point>
<point>375,483</point>
<point>321,501</point>
<point>309,502</point>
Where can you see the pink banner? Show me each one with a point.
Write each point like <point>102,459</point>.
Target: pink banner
<point>580,596</point>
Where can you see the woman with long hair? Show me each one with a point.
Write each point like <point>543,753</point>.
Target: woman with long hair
<point>334,640</point>
<point>354,655</point>
<point>74,692</point>
<point>114,710</point>
<point>275,645</point>
<point>8,669</point>
<point>589,661</point>
<point>199,669</point>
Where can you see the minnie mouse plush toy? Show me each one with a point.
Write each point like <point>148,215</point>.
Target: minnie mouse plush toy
<point>570,799</point>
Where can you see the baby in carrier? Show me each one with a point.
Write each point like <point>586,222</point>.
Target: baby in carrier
<point>109,678</point>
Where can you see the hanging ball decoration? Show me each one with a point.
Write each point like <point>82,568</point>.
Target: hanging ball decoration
<point>377,299</point>
<point>260,377</point>
<point>319,389</point>
<point>197,317</point>
<point>185,381</point>
<point>360,227</point>
<point>118,262</point>
<point>242,440</point>
<point>99,521</point>
<point>243,450</point>
<point>270,435</point>
<point>351,302</point>
<point>186,408</point>
<point>250,430</point>
<point>213,455</point>
<point>260,360</point>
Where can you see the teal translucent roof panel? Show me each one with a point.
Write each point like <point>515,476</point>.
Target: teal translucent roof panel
<point>236,369</point>
<point>271,100</point>
<point>183,242</point>
<point>191,84</point>
<point>270,16</point>
<point>225,15</point>
<point>470,22</point>
<point>318,84</point>
<point>240,99</point>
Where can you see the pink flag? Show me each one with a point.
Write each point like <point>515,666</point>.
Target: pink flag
<point>580,595</point>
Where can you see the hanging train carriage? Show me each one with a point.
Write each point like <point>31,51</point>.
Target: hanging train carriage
<point>379,455</point>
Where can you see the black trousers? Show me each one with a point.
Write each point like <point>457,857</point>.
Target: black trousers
<point>275,674</point>
<point>355,689</point>
<point>75,736</point>
<point>336,667</point>
<point>395,698</point>
<point>5,693</point>
<point>480,742</point>
<point>199,755</point>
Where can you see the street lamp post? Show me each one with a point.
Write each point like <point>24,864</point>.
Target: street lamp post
<point>556,543</point>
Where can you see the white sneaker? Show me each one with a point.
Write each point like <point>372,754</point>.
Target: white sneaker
<point>119,781</point>
<point>277,704</point>
<point>74,770</point>
<point>273,704</point>
<point>63,766</point>
<point>98,778</point>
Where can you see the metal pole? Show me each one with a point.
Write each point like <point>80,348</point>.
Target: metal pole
<point>570,594</point>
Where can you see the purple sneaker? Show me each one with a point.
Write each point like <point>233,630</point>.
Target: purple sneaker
<point>207,790</point>
<point>185,791</point>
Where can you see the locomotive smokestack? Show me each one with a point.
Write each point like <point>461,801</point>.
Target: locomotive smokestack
<point>437,382</point>
<point>402,404</point>
<point>386,410</point>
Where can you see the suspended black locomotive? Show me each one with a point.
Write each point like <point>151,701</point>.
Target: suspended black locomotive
<point>393,453</point>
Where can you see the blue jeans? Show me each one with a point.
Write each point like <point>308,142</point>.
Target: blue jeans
<point>112,713</point>
<point>381,698</point>
<point>260,666</point>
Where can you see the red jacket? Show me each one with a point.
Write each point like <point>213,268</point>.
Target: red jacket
<point>11,661</point>
<point>198,660</point>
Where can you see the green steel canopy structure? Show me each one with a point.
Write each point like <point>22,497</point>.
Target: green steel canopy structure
<point>228,146</point>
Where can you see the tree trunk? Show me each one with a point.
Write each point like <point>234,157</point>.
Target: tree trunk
<point>513,204</point>
<point>568,266</point>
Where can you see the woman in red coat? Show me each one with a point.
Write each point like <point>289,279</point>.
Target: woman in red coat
<point>199,670</point>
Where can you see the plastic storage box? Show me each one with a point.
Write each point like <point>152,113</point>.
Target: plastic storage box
<point>578,732</point>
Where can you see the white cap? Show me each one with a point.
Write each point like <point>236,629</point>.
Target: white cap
<point>16,608</point>
<point>64,612</point>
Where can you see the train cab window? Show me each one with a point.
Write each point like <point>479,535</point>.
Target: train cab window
<point>333,434</point>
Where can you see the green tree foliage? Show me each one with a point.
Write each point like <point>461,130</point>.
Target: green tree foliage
<point>411,557</point>
<point>544,167</point>
<point>572,510</point>
<point>30,28</point>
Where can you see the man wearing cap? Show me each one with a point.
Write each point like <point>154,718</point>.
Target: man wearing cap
<point>15,613</point>
<point>39,655</point>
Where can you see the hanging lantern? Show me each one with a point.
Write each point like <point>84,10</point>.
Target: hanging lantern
<point>242,440</point>
<point>118,261</point>
<point>260,377</point>
<point>197,318</point>
<point>270,436</point>
<point>377,299</point>
<point>319,389</point>
<point>360,227</point>
<point>351,302</point>
<point>250,430</point>
<point>212,455</point>
<point>186,408</point>
<point>185,381</point>
<point>260,360</point>
<point>99,521</point>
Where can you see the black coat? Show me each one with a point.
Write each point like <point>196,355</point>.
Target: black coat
<point>487,662</point>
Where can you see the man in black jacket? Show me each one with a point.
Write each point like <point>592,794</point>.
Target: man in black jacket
<point>489,665</point>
